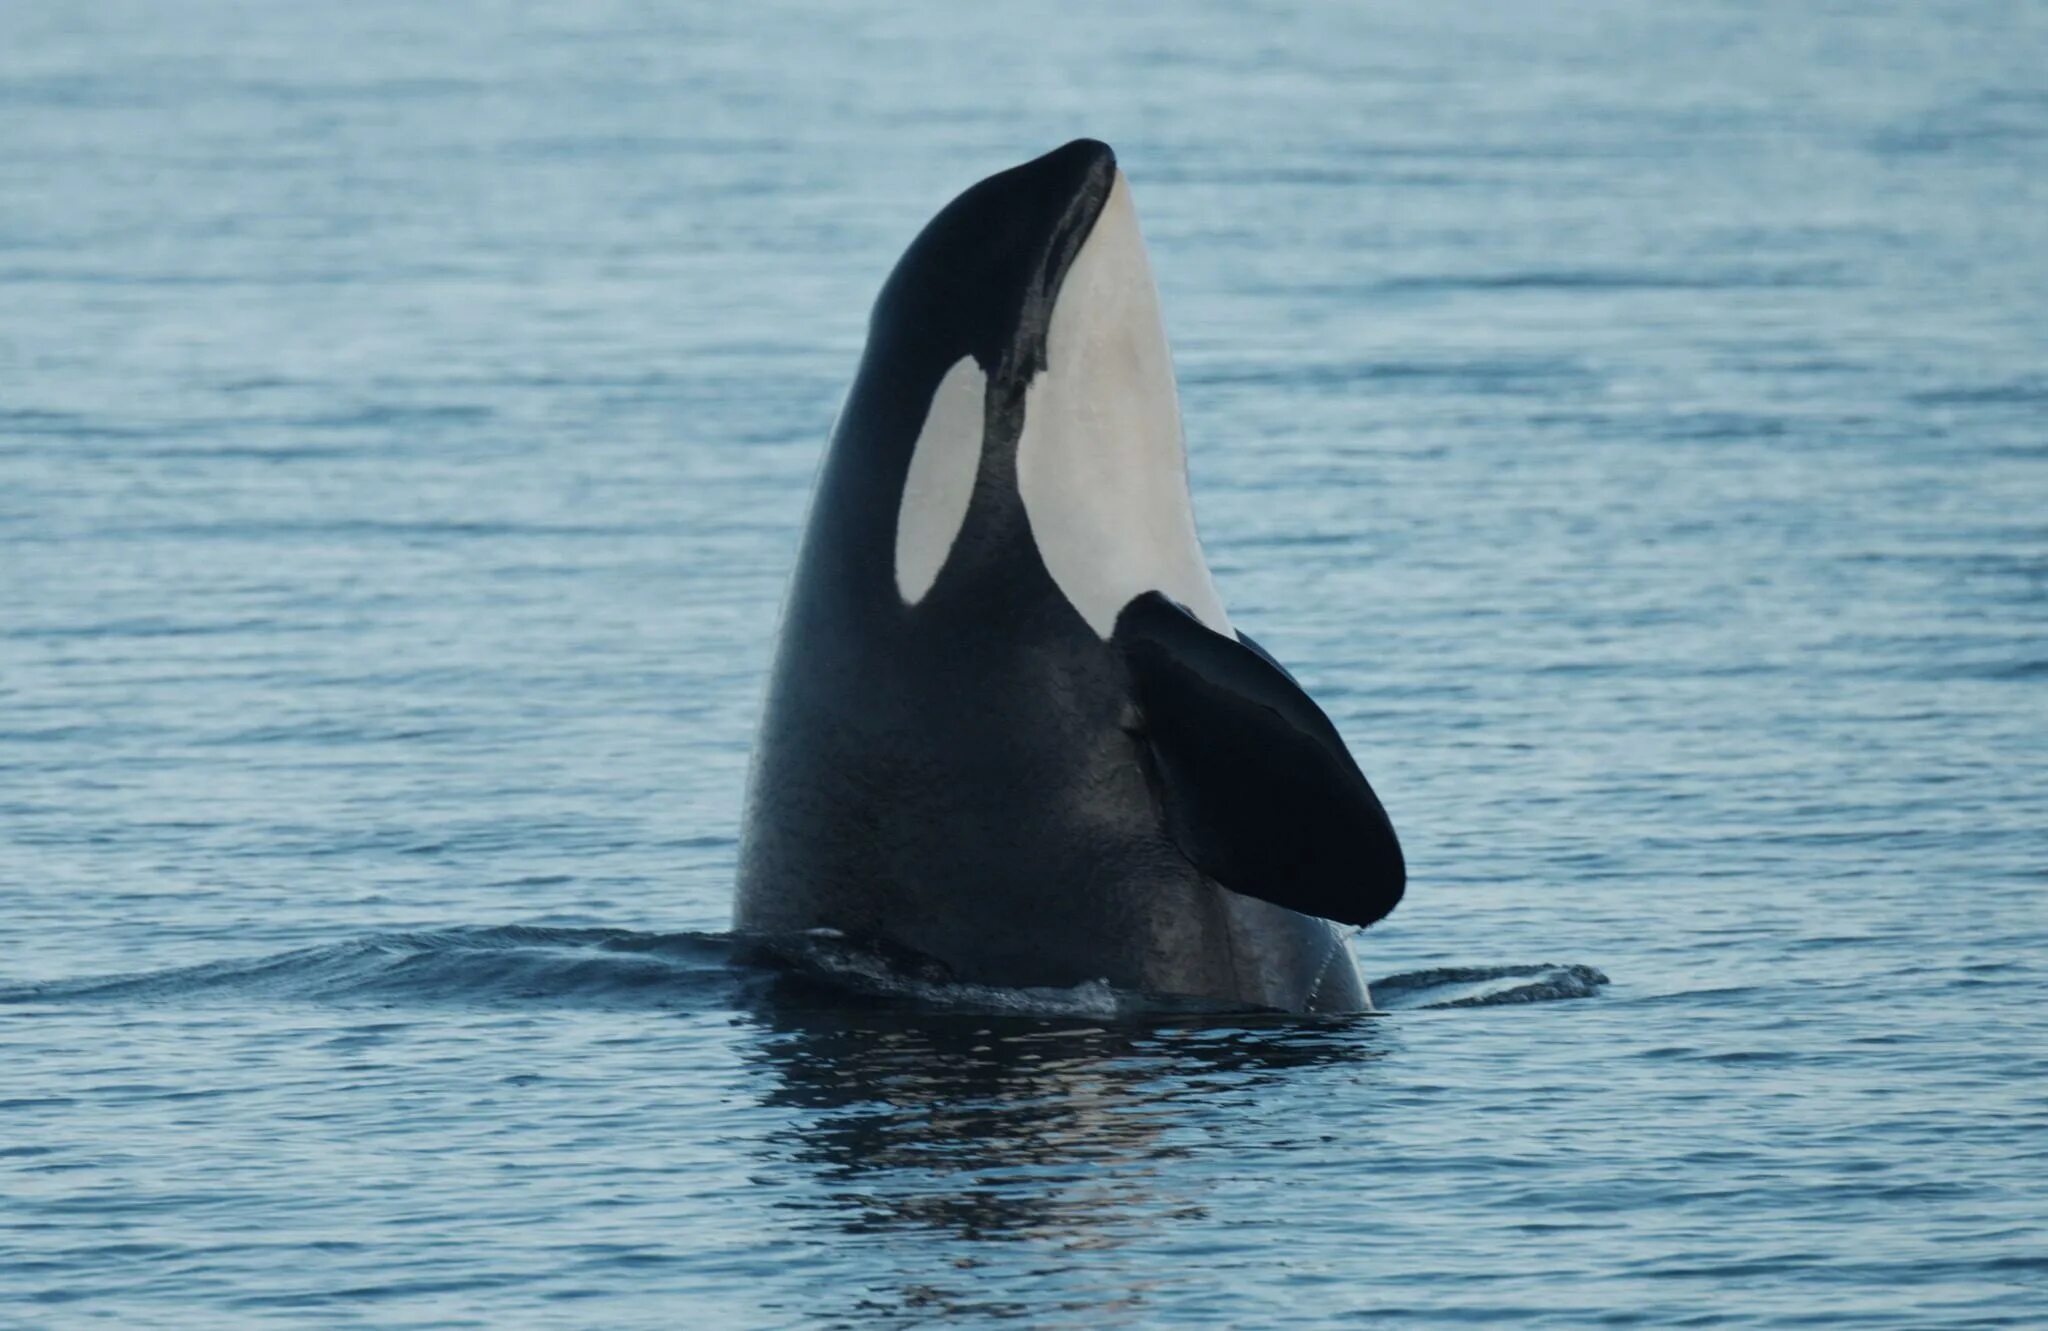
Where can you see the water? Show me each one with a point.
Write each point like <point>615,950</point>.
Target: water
<point>1630,421</point>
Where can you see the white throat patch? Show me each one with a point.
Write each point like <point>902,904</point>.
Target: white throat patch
<point>1101,465</point>
<point>940,485</point>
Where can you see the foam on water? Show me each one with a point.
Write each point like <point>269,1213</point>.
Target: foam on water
<point>1485,986</point>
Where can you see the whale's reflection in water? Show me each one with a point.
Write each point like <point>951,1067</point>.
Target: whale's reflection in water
<point>976,1159</point>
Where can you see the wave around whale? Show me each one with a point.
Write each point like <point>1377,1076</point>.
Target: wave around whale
<point>588,967</point>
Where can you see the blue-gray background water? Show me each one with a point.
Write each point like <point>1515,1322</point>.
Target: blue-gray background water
<point>1629,420</point>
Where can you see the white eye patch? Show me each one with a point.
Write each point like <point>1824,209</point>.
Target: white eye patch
<point>940,485</point>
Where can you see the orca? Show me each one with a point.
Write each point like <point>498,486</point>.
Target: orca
<point>1010,729</point>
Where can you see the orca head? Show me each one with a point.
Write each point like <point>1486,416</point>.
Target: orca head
<point>1022,327</point>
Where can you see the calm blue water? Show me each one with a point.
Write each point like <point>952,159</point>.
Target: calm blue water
<point>1630,420</point>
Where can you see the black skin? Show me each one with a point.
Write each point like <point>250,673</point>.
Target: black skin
<point>982,781</point>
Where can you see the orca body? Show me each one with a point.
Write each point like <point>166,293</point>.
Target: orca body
<point>1010,727</point>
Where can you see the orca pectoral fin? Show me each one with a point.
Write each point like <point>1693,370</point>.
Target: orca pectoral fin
<point>1259,791</point>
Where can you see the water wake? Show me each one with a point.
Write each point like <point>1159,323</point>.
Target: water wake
<point>485,966</point>
<point>519,964</point>
<point>1485,986</point>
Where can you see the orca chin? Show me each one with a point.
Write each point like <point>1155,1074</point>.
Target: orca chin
<point>1010,725</point>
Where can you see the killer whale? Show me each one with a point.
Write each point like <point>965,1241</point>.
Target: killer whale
<point>1010,728</point>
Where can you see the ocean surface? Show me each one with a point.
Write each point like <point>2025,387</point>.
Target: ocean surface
<point>1629,420</point>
